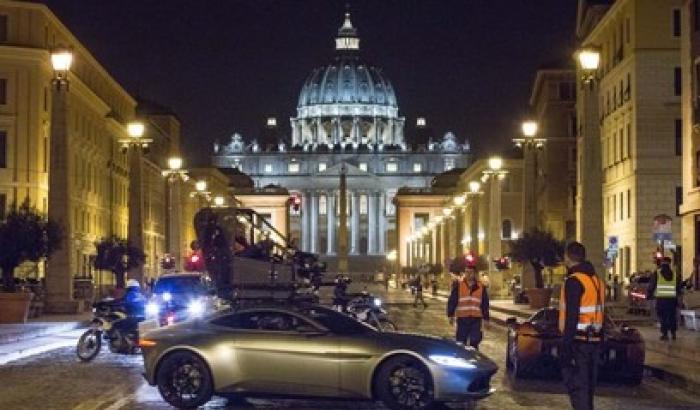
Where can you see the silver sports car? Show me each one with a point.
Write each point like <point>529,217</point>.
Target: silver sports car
<point>308,351</point>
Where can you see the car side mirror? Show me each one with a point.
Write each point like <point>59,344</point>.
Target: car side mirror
<point>511,321</point>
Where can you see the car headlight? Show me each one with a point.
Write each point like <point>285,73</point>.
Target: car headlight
<point>166,296</point>
<point>451,361</point>
<point>377,302</point>
<point>152,309</point>
<point>195,308</point>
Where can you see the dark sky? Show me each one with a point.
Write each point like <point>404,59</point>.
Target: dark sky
<point>225,65</point>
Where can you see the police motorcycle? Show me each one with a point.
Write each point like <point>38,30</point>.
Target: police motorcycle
<point>112,324</point>
<point>361,306</point>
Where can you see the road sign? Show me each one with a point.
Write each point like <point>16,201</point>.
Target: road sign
<point>662,229</point>
<point>613,246</point>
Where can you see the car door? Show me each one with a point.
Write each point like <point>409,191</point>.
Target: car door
<point>287,354</point>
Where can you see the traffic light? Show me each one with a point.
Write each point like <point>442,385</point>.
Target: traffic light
<point>195,263</point>
<point>295,202</point>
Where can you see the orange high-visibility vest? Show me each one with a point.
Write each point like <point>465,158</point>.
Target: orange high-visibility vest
<point>469,304</point>
<point>591,311</point>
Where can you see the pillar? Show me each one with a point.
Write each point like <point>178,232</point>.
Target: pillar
<point>459,230</point>
<point>135,226</point>
<point>381,245</point>
<point>372,222</point>
<point>355,224</point>
<point>330,223</point>
<point>529,209</point>
<point>305,221</point>
<point>494,235</point>
<point>314,223</point>
<point>474,225</point>
<point>174,217</point>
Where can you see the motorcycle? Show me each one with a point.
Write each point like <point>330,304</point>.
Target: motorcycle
<point>104,326</point>
<point>368,309</point>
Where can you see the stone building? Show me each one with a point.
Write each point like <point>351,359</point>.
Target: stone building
<point>553,100</point>
<point>629,128</point>
<point>347,118</point>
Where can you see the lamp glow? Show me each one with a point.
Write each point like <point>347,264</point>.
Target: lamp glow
<point>474,187</point>
<point>589,59</point>
<point>459,200</point>
<point>391,256</point>
<point>200,185</point>
<point>175,163</point>
<point>529,128</point>
<point>495,163</point>
<point>447,211</point>
<point>135,129</point>
<point>61,60</point>
<point>219,201</point>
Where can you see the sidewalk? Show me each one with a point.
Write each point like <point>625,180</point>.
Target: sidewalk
<point>45,325</point>
<point>673,361</point>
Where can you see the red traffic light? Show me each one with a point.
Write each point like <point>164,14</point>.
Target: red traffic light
<point>194,258</point>
<point>195,263</point>
<point>295,202</point>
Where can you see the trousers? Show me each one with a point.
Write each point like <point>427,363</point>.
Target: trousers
<point>469,331</point>
<point>666,310</point>
<point>580,374</point>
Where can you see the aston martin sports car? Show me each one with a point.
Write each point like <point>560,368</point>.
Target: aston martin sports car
<point>307,350</point>
<point>534,347</point>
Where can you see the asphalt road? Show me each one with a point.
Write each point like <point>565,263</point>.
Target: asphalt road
<point>56,380</point>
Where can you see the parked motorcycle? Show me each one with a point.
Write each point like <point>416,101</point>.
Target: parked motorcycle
<point>368,309</point>
<point>105,325</point>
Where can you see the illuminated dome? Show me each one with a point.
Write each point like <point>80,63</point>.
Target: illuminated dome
<point>347,101</point>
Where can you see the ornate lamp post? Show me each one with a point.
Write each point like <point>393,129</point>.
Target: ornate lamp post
<point>531,145</point>
<point>174,175</point>
<point>474,194</point>
<point>201,193</point>
<point>588,59</point>
<point>495,174</point>
<point>59,280</point>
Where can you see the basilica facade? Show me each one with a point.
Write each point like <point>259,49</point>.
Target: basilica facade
<point>347,118</point>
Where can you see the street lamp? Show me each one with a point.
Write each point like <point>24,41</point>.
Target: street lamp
<point>474,193</point>
<point>530,143</point>
<point>201,192</point>
<point>174,174</point>
<point>495,173</point>
<point>200,185</point>
<point>219,200</point>
<point>61,61</point>
<point>135,130</point>
<point>588,59</point>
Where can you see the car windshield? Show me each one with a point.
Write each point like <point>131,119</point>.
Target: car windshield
<point>336,322</point>
<point>180,284</point>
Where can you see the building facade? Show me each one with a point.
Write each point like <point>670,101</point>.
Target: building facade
<point>629,128</point>
<point>553,101</point>
<point>347,121</point>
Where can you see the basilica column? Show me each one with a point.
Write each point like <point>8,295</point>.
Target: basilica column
<point>354,132</point>
<point>339,130</point>
<point>382,225</point>
<point>375,132</point>
<point>355,224</point>
<point>330,222</point>
<point>372,222</point>
<point>314,223</point>
<point>305,220</point>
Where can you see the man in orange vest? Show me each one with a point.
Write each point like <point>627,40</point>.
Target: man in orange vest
<point>469,303</point>
<point>581,312</point>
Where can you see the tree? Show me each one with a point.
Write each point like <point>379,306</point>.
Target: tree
<point>540,249</point>
<point>118,256</point>
<point>25,236</point>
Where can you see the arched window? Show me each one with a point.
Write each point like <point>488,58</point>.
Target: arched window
<point>506,229</point>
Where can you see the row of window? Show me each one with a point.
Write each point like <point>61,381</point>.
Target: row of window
<point>618,207</point>
<point>618,146</point>
<point>324,206</point>
<point>620,93</point>
<point>295,167</point>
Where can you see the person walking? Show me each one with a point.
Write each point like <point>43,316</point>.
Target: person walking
<point>665,287</point>
<point>419,293</point>
<point>581,310</point>
<point>469,303</point>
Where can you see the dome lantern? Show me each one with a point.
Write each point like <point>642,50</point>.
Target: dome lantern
<point>347,36</point>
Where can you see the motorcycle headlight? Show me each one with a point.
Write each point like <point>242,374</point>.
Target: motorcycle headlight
<point>166,296</point>
<point>377,302</point>
<point>152,309</point>
<point>451,361</point>
<point>195,308</point>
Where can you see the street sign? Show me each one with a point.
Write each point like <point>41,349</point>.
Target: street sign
<point>661,230</point>
<point>613,244</point>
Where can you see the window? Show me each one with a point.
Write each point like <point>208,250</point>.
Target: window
<point>676,23</point>
<point>629,204</point>
<point>363,166</point>
<point>3,149</point>
<point>266,321</point>
<point>363,204</point>
<point>629,140</point>
<point>679,136</point>
<point>677,83</point>
<point>3,91</point>
<point>3,204</point>
<point>622,206</point>
<point>614,208</point>
<point>417,167</point>
<point>293,167</point>
<point>679,199</point>
<point>392,167</point>
<point>449,163</point>
<point>322,205</point>
<point>321,166</point>
<point>3,28</point>
<point>565,91</point>
<point>268,168</point>
<point>506,229</point>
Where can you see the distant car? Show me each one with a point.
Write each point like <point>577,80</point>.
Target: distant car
<point>179,296</point>
<point>637,295</point>
<point>534,347</point>
<point>307,350</point>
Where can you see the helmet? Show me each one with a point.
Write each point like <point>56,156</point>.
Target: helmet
<point>133,283</point>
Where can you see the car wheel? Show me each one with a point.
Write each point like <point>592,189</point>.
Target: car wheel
<point>184,380</point>
<point>404,383</point>
<point>386,325</point>
<point>89,345</point>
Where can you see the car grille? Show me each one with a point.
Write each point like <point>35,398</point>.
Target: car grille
<point>480,384</point>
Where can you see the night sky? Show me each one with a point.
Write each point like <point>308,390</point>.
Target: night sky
<point>226,65</point>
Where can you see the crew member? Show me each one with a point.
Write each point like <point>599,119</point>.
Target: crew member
<point>469,302</point>
<point>581,313</point>
<point>665,287</point>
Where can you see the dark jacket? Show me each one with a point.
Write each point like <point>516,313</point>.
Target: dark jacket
<point>574,291</point>
<point>667,273</point>
<point>454,300</point>
<point>134,302</point>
